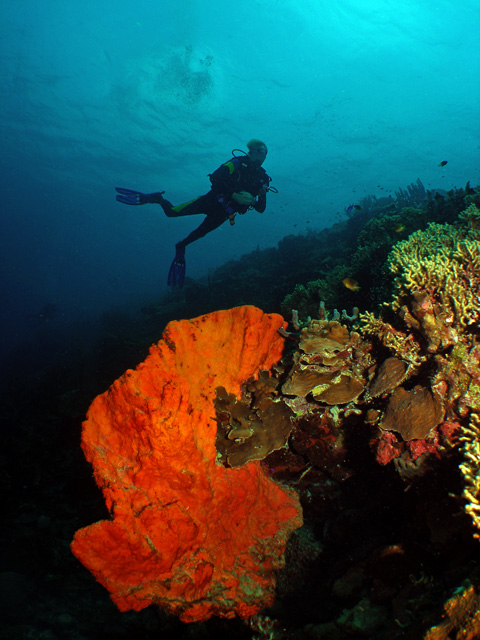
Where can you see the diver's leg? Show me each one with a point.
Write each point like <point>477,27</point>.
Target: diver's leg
<point>211,222</point>
<point>198,205</point>
<point>215,217</point>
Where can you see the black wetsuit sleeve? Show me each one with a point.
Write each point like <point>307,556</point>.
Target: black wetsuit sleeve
<point>261,203</point>
<point>224,179</point>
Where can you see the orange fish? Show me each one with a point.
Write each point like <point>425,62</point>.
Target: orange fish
<point>399,228</point>
<point>351,284</point>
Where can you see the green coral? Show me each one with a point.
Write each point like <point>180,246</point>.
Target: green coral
<point>306,298</point>
<point>380,234</point>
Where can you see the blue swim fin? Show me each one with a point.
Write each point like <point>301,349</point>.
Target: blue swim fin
<point>176,274</point>
<point>129,196</point>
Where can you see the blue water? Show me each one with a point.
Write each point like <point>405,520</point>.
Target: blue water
<point>352,97</point>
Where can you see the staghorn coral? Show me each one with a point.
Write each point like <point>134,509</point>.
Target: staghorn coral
<point>470,469</point>
<point>439,267</point>
<point>306,298</point>
<point>457,378</point>
<point>186,533</point>
<point>413,194</point>
<point>376,239</point>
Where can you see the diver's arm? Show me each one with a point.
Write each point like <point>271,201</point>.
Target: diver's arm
<point>244,198</point>
<point>261,202</point>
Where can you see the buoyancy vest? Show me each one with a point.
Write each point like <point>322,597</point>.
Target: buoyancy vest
<point>239,174</point>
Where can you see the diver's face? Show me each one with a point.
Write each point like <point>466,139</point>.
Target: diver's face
<point>257,156</point>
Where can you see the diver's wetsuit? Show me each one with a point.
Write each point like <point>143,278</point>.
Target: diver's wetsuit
<point>238,174</point>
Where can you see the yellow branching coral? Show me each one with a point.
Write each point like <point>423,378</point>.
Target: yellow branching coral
<point>404,346</point>
<point>422,261</point>
<point>468,253</point>
<point>471,217</point>
<point>470,468</point>
<point>443,260</point>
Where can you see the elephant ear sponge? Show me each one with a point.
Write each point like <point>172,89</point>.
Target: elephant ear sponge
<point>186,533</point>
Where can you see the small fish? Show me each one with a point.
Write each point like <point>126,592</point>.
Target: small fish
<point>443,163</point>
<point>351,207</point>
<point>399,228</point>
<point>351,284</point>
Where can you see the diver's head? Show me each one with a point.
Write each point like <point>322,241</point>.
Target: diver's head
<point>257,151</point>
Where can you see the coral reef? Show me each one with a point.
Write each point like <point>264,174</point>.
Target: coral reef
<point>434,316</point>
<point>470,468</point>
<point>310,266</point>
<point>388,402</point>
<point>461,616</point>
<point>389,375</point>
<point>329,288</point>
<point>412,414</point>
<point>419,367</point>
<point>439,270</point>
<point>414,194</point>
<point>370,236</point>
<point>253,426</point>
<point>330,363</point>
<point>186,533</point>
<point>394,535</point>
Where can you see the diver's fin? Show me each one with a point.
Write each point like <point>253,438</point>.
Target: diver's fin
<point>176,274</point>
<point>129,196</point>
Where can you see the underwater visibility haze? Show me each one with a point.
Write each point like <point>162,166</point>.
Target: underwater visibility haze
<point>353,98</point>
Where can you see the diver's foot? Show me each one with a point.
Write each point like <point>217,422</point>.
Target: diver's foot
<point>156,198</point>
<point>176,274</point>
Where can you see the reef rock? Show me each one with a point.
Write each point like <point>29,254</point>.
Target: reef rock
<point>186,533</point>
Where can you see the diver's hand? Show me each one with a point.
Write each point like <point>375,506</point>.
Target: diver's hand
<point>243,197</point>
<point>128,196</point>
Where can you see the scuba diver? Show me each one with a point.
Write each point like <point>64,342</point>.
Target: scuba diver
<point>238,185</point>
